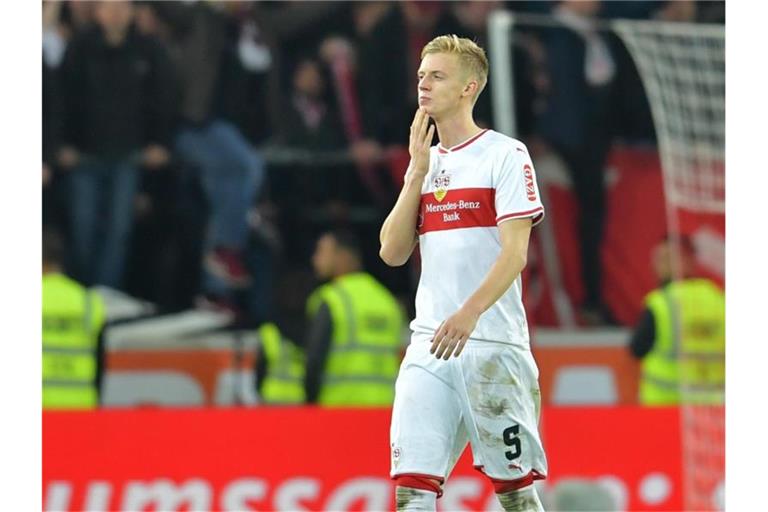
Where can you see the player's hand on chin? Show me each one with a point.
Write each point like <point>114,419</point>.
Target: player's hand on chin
<point>453,334</point>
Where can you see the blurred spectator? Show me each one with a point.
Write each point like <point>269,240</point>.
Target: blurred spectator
<point>231,170</point>
<point>117,114</point>
<point>77,17</point>
<point>72,321</point>
<point>576,124</point>
<point>353,341</point>
<point>54,46</point>
<point>311,122</point>
<point>164,265</point>
<point>631,114</point>
<point>247,88</point>
<point>680,337</point>
<point>300,27</point>
<point>54,34</point>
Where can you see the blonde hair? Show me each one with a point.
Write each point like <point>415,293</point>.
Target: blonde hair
<point>471,56</point>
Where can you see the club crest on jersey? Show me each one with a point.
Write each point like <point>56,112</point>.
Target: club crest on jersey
<point>441,183</point>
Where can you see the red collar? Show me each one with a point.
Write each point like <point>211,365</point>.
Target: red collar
<point>464,144</point>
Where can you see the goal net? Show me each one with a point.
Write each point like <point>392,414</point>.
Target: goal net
<point>682,67</point>
<point>683,70</point>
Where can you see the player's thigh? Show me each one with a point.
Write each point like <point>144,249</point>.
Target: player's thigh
<point>502,409</point>
<point>426,417</point>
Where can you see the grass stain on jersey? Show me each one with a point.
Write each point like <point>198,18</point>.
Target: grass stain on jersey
<point>492,408</point>
<point>489,438</point>
<point>494,372</point>
<point>536,394</point>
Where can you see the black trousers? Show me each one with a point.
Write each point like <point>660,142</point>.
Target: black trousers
<point>586,166</point>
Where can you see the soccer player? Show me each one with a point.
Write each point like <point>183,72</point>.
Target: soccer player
<point>468,374</point>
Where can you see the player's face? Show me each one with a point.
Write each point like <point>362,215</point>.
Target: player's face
<point>441,83</point>
<point>324,258</point>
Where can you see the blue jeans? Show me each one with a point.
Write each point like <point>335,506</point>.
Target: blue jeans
<point>231,172</point>
<point>101,219</point>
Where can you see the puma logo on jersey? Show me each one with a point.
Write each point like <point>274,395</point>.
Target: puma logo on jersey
<point>530,190</point>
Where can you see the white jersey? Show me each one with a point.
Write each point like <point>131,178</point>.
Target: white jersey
<point>470,189</point>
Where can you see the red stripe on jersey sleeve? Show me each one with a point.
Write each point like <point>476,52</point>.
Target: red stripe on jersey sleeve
<point>527,213</point>
<point>460,208</point>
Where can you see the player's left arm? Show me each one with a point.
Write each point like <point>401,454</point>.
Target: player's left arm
<point>454,332</point>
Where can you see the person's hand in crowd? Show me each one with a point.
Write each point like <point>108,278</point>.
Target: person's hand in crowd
<point>366,152</point>
<point>336,47</point>
<point>155,156</point>
<point>68,157</point>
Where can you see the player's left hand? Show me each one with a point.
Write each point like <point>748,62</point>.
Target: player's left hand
<point>453,334</point>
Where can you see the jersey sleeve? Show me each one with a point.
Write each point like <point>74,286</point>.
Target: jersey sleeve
<point>516,191</point>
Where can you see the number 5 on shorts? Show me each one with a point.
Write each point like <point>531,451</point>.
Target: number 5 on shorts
<point>511,439</point>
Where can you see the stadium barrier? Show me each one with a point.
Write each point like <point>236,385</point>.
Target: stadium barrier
<point>314,459</point>
<point>175,360</point>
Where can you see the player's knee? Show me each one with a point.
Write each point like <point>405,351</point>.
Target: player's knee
<point>423,483</point>
<point>514,499</point>
<point>417,493</point>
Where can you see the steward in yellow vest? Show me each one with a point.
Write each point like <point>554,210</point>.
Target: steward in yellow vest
<point>353,344</point>
<point>72,320</point>
<point>281,369</point>
<point>681,338</point>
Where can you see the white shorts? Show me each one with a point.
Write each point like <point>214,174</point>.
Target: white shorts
<point>488,396</point>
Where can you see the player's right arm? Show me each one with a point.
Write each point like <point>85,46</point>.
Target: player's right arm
<point>398,233</point>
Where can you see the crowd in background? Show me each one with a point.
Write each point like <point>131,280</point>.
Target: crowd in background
<point>193,151</point>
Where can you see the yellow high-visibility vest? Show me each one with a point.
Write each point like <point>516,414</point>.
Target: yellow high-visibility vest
<point>72,320</point>
<point>364,356</point>
<point>687,361</point>
<point>284,382</point>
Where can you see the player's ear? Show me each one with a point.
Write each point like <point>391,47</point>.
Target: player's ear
<point>470,88</point>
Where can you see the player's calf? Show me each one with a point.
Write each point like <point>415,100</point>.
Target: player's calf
<point>519,500</point>
<point>416,493</point>
<point>410,499</point>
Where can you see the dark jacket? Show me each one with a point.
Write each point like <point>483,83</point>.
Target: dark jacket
<point>576,115</point>
<point>327,135</point>
<point>116,100</point>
